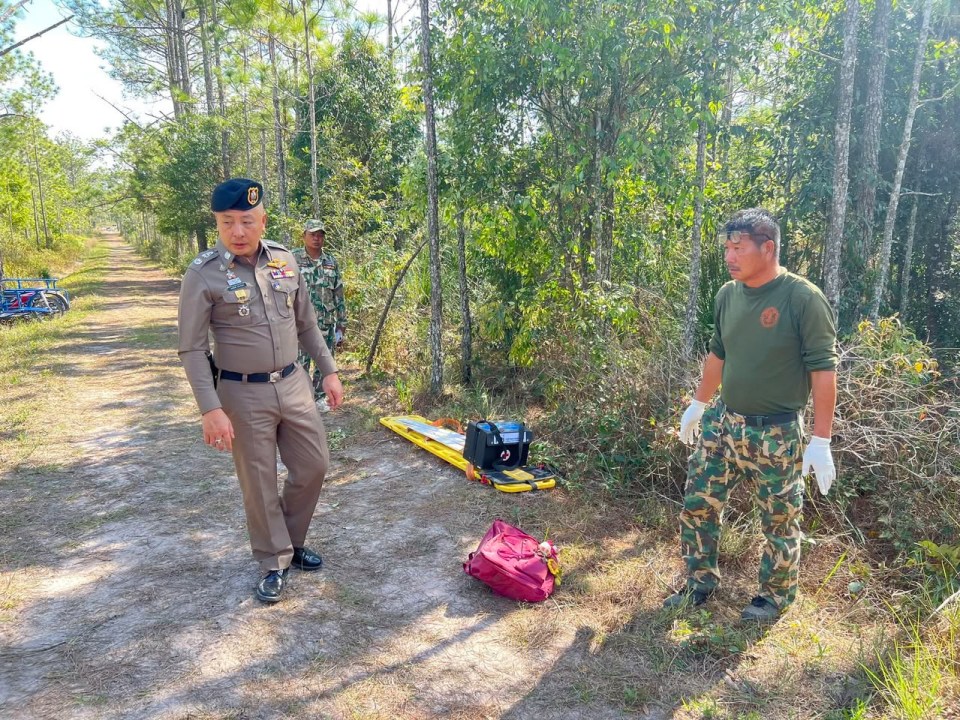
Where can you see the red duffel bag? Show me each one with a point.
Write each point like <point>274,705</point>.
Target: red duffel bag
<point>514,564</point>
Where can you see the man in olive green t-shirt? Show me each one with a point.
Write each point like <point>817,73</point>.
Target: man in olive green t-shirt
<point>774,343</point>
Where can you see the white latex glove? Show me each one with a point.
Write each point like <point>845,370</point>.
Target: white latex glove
<point>339,336</point>
<point>818,457</point>
<point>690,422</point>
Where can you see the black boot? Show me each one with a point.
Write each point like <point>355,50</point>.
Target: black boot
<point>687,598</point>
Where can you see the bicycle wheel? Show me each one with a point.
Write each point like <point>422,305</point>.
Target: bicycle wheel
<point>55,304</point>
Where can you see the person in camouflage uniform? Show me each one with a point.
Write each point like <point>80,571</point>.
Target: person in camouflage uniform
<point>774,344</point>
<point>322,276</point>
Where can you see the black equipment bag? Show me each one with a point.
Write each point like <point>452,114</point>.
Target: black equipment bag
<point>497,446</point>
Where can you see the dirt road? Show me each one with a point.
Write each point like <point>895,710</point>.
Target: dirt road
<point>127,579</point>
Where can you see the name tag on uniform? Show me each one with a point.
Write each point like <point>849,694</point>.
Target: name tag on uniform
<point>235,283</point>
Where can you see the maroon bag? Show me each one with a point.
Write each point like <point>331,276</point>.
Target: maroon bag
<point>514,564</point>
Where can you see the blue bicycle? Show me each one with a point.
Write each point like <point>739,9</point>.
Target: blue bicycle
<point>31,299</point>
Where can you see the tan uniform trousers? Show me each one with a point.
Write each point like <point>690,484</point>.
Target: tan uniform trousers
<point>266,416</point>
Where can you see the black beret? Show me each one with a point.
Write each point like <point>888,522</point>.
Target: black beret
<point>236,194</point>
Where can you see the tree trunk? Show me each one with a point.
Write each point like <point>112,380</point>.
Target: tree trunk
<point>181,39</point>
<point>466,341</point>
<point>607,216</point>
<point>433,223</point>
<point>907,260</point>
<point>205,57</point>
<point>390,30</point>
<point>173,62</point>
<point>788,194</point>
<point>314,188</point>
<point>870,151</point>
<point>690,317</point>
<point>891,220</point>
<point>596,199</point>
<point>36,219</point>
<point>841,154</point>
<point>201,232</point>
<point>221,97</point>
<point>263,161</point>
<point>937,261</point>
<point>278,132</point>
<point>247,145</point>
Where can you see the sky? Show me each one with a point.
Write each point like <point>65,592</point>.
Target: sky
<point>81,77</point>
<point>79,74</point>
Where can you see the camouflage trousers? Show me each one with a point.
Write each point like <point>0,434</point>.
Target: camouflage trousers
<point>316,379</point>
<point>769,458</point>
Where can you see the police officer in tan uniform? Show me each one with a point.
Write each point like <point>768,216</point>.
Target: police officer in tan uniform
<point>250,294</point>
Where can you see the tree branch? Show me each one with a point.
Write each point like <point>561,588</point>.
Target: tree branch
<point>129,119</point>
<point>13,47</point>
<point>11,10</point>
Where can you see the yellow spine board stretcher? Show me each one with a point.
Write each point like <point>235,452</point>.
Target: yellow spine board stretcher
<point>448,445</point>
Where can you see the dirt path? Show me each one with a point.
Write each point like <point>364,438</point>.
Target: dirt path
<point>127,579</point>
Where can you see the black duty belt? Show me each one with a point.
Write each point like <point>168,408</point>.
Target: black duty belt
<point>258,377</point>
<point>764,420</point>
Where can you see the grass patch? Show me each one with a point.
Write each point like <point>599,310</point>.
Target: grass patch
<point>152,336</point>
<point>22,344</point>
<point>351,597</point>
<point>336,438</point>
<point>26,350</point>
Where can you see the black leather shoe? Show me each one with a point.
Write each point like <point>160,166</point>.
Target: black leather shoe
<point>306,559</point>
<point>270,587</point>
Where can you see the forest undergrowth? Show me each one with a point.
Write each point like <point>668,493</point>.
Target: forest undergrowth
<point>881,551</point>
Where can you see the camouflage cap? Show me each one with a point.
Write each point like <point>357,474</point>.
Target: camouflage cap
<point>236,194</point>
<point>314,226</point>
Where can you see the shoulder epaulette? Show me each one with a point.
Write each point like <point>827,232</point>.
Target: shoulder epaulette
<point>204,257</point>
<point>275,245</point>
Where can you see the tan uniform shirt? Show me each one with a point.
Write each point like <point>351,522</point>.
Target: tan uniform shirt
<point>257,325</point>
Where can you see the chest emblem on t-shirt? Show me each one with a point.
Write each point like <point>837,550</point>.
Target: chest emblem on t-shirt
<point>769,317</point>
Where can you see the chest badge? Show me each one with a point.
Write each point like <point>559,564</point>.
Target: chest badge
<point>244,309</point>
<point>277,263</point>
<point>769,317</point>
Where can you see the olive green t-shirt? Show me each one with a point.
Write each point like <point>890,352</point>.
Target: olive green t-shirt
<point>770,338</point>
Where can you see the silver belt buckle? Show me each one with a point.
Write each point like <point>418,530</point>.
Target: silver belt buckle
<point>275,375</point>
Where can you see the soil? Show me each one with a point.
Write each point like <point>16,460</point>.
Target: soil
<point>126,581</point>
